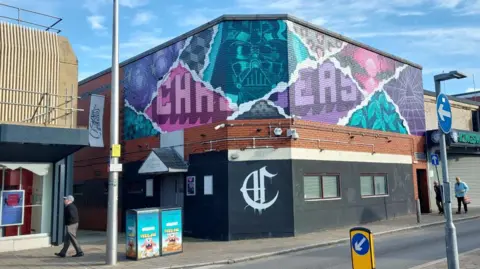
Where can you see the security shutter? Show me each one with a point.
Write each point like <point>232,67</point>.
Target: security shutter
<point>465,167</point>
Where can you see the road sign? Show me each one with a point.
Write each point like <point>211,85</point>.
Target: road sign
<point>435,159</point>
<point>362,248</point>
<point>444,113</point>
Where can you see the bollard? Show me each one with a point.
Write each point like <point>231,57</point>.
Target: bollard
<point>419,211</point>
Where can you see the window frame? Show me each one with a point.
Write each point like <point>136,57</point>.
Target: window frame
<point>320,178</point>
<point>372,176</point>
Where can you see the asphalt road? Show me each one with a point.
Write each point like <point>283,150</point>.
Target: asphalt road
<point>395,251</point>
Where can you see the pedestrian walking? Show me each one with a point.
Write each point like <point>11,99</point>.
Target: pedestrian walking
<point>461,189</point>
<point>71,223</point>
<point>438,196</point>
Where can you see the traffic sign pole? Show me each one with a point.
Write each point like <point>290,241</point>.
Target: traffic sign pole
<point>444,115</point>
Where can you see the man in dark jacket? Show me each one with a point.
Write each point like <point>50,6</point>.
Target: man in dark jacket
<point>71,223</point>
<point>438,196</point>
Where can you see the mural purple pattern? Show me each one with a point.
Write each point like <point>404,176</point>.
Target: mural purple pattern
<point>327,80</point>
<point>323,94</point>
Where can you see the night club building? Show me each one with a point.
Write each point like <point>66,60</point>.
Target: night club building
<point>261,126</point>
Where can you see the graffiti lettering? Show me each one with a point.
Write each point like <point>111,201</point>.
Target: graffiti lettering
<point>184,102</point>
<point>324,90</point>
<point>95,128</point>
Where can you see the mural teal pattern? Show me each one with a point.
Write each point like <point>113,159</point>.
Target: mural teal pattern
<point>270,69</point>
<point>250,59</point>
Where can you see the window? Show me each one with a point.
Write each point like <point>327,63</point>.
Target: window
<point>321,187</point>
<point>149,188</point>
<point>373,185</point>
<point>207,185</point>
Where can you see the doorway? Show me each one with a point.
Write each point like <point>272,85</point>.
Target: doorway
<point>423,193</point>
<point>171,190</point>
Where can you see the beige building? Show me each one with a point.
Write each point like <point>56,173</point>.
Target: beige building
<point>463,147</point>
<point>38,132</point>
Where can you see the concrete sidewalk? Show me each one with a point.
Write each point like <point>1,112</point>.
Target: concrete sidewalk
<point>201,253</point>
<point>468,260</point>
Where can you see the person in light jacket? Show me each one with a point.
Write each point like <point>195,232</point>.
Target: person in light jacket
<point>461,189</point>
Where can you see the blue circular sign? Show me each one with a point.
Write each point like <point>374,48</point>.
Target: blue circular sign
<point>360,244</point>
<point>444,113</point>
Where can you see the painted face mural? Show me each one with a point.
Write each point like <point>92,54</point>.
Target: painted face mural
<point>269,69</point>
<point>251,59</point>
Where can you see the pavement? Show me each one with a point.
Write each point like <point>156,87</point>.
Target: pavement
<point>467,260</point>
<point>199,253</point>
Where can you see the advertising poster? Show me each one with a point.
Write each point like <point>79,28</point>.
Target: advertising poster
<point>148,235</point>
<point>191,186</point>
<point>12,208</point>
<point>131,235</point>
<point>171,231</point>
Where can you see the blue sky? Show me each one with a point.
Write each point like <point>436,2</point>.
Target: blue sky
<point>440,35</point>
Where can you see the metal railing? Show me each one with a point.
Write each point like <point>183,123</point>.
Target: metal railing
<point>19,18</point>
<point>34,108</point>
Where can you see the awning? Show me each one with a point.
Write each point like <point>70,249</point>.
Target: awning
<point>40,169</point>
<point>163,160</point>
<point>39,144</point>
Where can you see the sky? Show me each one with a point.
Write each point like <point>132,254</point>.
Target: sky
<point>440,35</point>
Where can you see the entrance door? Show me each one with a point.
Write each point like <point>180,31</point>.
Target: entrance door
<point>423,195</point>
<point>171,190</point>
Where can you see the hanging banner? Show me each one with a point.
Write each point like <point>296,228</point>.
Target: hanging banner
<point>12,207</point>
<point>95,120</point>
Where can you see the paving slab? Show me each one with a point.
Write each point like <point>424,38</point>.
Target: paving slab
<point>201,252</point>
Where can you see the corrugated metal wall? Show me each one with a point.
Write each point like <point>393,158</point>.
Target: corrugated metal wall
<point>29,77</point>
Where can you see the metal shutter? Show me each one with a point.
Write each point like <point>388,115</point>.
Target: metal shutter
<point>467,168</point>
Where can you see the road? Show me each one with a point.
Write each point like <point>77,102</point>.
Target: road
<point>395,251</point>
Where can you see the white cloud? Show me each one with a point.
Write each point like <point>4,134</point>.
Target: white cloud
<point>96,22</point>
<point>194,20</point>
<point>472,90</point>
<point>134,3</point>
<point>448,3</point>
<point>411,13</point>
<point>142,18</point>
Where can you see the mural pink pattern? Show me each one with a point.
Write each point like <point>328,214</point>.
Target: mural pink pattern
<point>182,102</point>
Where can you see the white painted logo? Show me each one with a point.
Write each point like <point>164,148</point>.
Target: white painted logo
<point>258,201</point>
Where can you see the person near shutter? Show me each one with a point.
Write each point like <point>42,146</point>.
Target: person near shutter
<point>438,196</point>
<point>71,223</point>
<point>461,189</point>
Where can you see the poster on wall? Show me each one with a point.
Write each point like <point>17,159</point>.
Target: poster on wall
<point>148,244</point>
<point>191,186</point>
<point>131,235</point>
<point>12,209</point>
<point>95,120</point>
<point>172,239</point>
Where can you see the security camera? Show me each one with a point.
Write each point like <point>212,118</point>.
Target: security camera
<point>277,131</point>
<point>220,126</point>
<point>295,136</point>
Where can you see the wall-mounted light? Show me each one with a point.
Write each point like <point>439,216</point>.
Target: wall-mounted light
<point>277,131</point>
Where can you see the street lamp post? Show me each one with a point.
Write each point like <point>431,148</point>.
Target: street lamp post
<point>111,257</point>
<point>450,230</point>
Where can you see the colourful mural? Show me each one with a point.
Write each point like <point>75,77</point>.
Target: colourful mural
<point>270,69</point>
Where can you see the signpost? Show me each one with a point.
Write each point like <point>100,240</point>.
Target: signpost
<point>444,115</point>
<point>362,248</point>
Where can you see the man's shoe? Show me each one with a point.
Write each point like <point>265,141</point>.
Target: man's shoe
<point>60,255</point>
<point>78,255</point>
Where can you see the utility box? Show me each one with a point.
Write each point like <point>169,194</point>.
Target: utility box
<point>152,232</point>
<point>142,233</point>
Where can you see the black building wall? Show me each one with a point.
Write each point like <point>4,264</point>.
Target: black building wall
<point>274,221</point>
<point>206,216</point>
<point>351,208</point>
